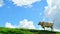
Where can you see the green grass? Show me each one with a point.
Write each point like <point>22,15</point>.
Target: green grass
<point>25,31</point>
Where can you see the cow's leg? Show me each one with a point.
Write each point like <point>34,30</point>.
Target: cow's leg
<point>51,28</point>
<point>44,28</point>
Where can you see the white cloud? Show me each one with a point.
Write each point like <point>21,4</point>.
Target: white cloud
<point>52,11</point>
<point>27,3</point>
<point>1,3</point>
<point>23,24</point>
<point>53,6</point>
<point>27,24</point>
<point>57,30</point>
<point>9,25</point>
<point>49,2</point>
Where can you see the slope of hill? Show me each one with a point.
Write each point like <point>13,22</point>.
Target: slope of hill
<point>24,31</point>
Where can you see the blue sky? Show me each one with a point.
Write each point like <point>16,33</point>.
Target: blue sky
<point>13,14</point>
<point>27,13</point>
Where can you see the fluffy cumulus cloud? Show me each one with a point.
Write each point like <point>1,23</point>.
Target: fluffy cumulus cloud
<point>9,25</point>
<point>27,24</point>
<point>23,24</point>
<point>52,11</point>
<point>1,3</point>
<point>24,2</point>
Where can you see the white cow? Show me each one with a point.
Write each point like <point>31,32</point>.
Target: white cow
<point>46,24</point>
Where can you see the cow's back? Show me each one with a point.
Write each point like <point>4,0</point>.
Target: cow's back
<point>48,24</point>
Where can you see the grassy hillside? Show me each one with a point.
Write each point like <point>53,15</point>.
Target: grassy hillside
<point>24,31</point>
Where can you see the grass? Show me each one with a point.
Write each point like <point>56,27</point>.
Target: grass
<point>25,31</point>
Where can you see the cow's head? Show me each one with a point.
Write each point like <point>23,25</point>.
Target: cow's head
<point>40,23</point>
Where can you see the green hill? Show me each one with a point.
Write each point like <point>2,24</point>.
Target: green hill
<point>25,31</point>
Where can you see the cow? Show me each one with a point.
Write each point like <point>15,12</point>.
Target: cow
<point>46,24</point>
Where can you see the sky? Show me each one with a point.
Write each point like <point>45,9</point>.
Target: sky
<point>27,13</point>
